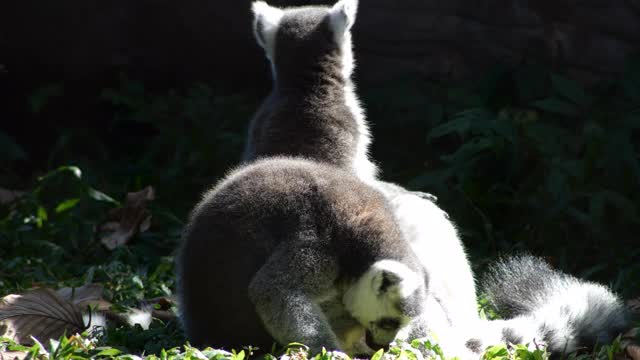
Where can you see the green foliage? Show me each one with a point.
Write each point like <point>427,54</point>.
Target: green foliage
<point>515,352</point>
<point>196,133</point>
<point>524,172</point>
<point>485,310</point>
<point>44,95</point>
<point>522,160</point>
<point>9,150</point>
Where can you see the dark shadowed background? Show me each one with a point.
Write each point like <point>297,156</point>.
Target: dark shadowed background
<point>168,44</point>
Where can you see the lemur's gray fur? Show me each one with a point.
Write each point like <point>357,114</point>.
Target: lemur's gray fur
<point>273,225</point>
<point>313,112</point>
<point>297,251</point>
<point>566,313</point>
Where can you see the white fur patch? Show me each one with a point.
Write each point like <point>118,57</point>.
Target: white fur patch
<point>94,320</point>
<point>265,26</point>
<point>140,317</point>
<point>409,280</point>
<point>364,300</point>
<point>364,168</point>
<point>435,241</point>
<point>342,17</point>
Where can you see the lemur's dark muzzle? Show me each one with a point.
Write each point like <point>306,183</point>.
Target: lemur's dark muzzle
<point>372,344</point>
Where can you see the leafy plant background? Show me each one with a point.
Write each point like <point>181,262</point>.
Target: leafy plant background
<point>524,159</point>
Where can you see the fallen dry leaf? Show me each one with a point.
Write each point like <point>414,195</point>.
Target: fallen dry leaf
<point>82,294</point>
<point>124,223</point>
<point>40,313</point>
<point>90,295</point>
<point>630,345</point>
<point>9,196</point>
<point>633,352</point>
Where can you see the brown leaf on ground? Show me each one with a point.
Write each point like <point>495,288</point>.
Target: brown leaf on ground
<point>40,313</point>
<point>86,295</point>
<point>91,296</point>
<point>82,294</point>
<point>630,345</point>
<point>633,352</point>
<point>9,196</point>
<point>122,224</point>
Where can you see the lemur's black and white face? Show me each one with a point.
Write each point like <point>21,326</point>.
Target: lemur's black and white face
<point>385,300</point>
<point>294,36</point>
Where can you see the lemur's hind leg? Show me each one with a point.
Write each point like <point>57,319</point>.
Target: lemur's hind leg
<point>285,292</point>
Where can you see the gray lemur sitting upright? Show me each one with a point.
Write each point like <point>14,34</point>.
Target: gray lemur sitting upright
<point>313,112</point>
<point>298,251</point>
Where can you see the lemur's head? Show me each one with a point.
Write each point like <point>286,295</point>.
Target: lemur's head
<point>385,300</point>
<point>300,38</point>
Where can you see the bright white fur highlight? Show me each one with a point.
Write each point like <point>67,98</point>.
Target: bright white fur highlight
<point>140,317</point>
<point>343,16</point>
<point>435,240</point>
<point>364,300</point>
<point>95,321</point>
<point>265,26</point>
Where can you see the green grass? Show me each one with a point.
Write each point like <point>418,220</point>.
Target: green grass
<point>81,346</point>
<point>523,160</point>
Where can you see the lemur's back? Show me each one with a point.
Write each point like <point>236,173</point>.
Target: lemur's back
<point>291,123</point>
<point>312,111</point>
<point>275,210</point>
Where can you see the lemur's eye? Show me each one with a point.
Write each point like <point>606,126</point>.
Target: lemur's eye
<point>388,323</point>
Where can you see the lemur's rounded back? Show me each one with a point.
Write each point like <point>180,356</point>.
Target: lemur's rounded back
<point>276,241</point>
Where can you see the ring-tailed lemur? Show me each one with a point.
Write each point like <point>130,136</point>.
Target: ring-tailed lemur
<point>297,251</point>
<point>313,112</point>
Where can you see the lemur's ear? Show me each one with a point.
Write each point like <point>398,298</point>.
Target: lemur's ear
<point>394,278</point>
<point>265,23</point>
<point>342,16</point>
<point>386,280</point>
